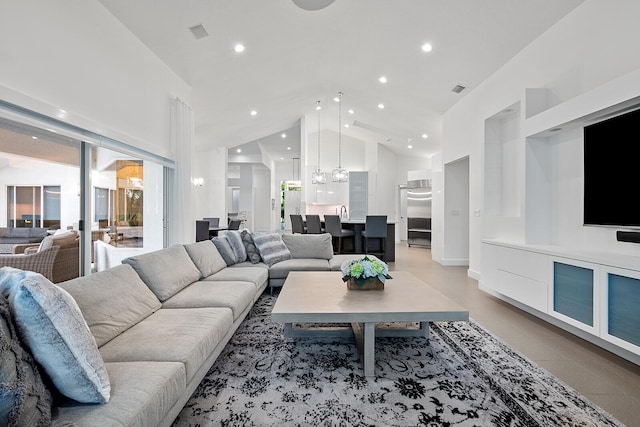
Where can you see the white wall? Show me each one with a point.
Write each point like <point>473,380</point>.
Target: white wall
<point>73,55</point>
<point>586,49</point>
<point>210,201</point>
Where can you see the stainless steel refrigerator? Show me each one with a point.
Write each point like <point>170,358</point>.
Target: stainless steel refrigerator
<point>419,212</point>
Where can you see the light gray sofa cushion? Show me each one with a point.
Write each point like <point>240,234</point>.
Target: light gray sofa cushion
<point>237,296</point>
<point>186,335</point>
<point>234,237</point>
<point>256,275</point>
<point>143,393</point>
<point>112,301</point>
<point>272,248</point>
<point>309,245</point>
<point>282,269</point>
<point>206,257</point>
<point>52,326</point>
<point>166,271</point>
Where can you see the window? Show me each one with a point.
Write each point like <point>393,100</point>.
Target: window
<point>33,206</point>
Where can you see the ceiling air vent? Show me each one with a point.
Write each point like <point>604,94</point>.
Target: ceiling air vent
<point>198,31</point>
<point>458,88</point>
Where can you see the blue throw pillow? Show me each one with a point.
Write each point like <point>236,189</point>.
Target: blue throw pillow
<point>222,244</point>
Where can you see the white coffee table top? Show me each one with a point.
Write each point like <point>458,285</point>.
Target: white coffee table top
<point>324,297</point>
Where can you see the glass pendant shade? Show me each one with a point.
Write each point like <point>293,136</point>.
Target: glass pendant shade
<point>340,175</point>
<point>318,177</point>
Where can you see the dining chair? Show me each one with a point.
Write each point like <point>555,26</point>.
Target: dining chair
<point>213,222</point>
<point>202,230</point>
<point>297,225</point>
<point>334,227</point>
<point>375,228</point>
<point>313,224</point>
<point>234,224</point>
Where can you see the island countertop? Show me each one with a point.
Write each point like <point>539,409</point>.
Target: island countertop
<point>363,220</point>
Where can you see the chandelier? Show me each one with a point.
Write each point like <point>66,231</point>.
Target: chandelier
<point>318,177</point>
<point>339,174</point>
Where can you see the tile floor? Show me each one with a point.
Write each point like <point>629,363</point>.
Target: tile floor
<point>607,380</point>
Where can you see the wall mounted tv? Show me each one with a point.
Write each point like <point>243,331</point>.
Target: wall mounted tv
<point>612,171</point>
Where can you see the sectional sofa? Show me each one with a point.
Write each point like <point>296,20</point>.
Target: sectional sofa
<point>161,319</point>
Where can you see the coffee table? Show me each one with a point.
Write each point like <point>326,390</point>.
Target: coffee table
<point>322,297</point>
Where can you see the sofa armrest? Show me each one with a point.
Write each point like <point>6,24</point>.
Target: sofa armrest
<point>40,262</point>
<point>23,248</point>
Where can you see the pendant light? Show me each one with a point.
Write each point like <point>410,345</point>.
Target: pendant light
<point>318,177</point>
<point>339,174</point>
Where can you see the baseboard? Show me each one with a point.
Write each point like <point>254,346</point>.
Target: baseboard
<point>473,274</point>
<point>454,262</point>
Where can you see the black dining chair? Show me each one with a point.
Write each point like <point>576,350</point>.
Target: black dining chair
<point>297,225</point>
<point>213,222</point>
<point>314,225</point>
<point>234,224</point>
<point>202,230</point>
<point>375,228</point>
<point>334,227</point>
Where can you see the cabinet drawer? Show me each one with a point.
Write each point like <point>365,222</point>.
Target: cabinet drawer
<point>523,289</point>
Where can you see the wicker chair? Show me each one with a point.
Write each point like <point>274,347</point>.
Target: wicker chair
<point>66,265</point>
<point>40,262</point>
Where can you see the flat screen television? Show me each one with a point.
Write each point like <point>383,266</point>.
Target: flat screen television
<point>612,172</point>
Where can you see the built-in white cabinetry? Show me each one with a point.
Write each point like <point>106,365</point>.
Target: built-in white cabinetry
<point>532,225</point>
<point>596,294</point>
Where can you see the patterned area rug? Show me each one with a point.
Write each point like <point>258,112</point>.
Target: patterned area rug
<point>461,376</point>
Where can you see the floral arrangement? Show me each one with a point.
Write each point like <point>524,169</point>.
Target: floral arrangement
<point>365,268</point>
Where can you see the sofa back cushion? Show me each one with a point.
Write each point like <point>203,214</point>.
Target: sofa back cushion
<point>67,238</point>
<point>166,271</point>
<point>316,246</point>
<point>206,257</point>
<point>112,301</point>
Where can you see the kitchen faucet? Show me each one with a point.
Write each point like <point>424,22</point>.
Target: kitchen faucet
<point>343,208</point>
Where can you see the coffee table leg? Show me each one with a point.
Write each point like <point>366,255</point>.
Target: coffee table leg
<point>288,330</point>
<point>369,349</point>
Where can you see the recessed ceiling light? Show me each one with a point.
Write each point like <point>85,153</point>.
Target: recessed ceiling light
<point>318,106</point>
<point>281,158</point>
<point>381,106</point>
<point>427,47</point>
<point>254,112</point>
<point>425,136</point>
<point>239,150</point>
<point>382,79</point>
<point>288,148</point>
<point>409,147</point>
<point>239,48</point>
<point>351,111</point>
<point>34,137</point>
<point>337,99</point>
<point>284,135</point>
<point>346,125</point>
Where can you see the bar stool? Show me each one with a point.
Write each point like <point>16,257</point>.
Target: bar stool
<point>334,227</point>
<point>313,224</point>
<point>297,226</point>
<point>375,228</point>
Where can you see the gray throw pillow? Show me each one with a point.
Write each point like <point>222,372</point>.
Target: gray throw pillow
<point>272,248</point>
<point>206,257</point>
<point>222,244</point>
<point>24,399</point>
<point>234,238</point>
<point>252,251</point>
<point>52,326</point>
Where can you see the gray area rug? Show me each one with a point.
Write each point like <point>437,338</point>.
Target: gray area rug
<point>461,376</point>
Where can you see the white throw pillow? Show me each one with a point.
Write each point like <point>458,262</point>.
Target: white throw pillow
<point>53,328</point>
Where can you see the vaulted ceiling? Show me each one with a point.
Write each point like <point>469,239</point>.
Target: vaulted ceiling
<point>294,57</point>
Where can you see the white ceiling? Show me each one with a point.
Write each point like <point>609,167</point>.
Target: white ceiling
<point>295,57</point>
